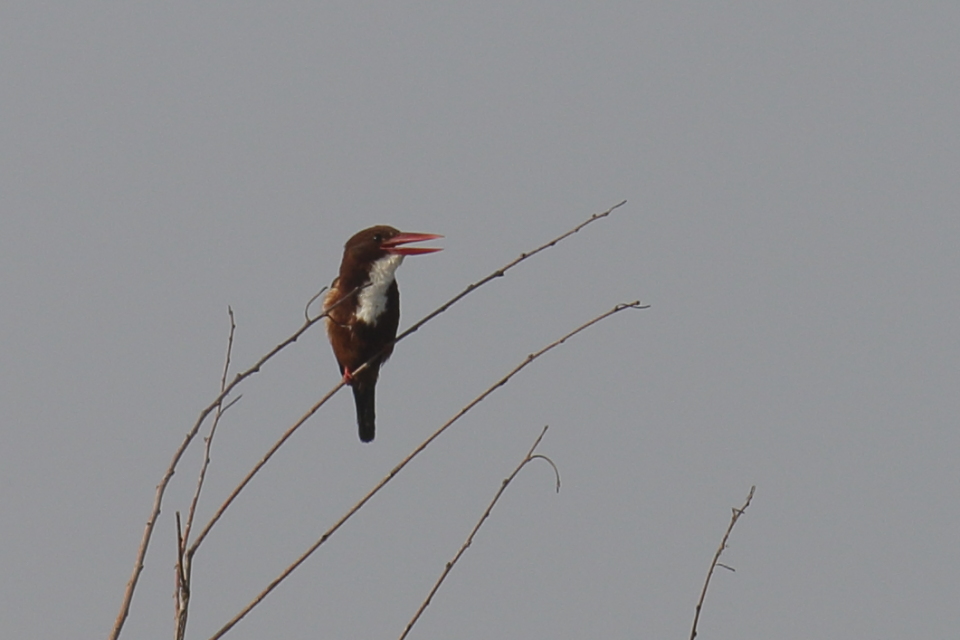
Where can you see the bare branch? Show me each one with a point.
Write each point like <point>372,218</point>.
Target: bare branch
<point>502,270</point>
<point>499,273</point>
<point>184,565</point>
<point>226,363</point>
<point>171,469</point>
<point>473,287</point>
<point>213,429</point>
<point>309,322</point>
<point>716,558</point>
<point>181,595</point>
<point>393,472</point>
<point>147,534</point>
<point>503,487</point>
<point>243,483</point>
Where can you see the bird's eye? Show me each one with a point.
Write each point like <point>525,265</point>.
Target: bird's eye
<point>377,237</point>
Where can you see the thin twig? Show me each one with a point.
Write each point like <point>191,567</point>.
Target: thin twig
<point>184,565</point>
<point>502,270</point>
<point>393,472</point>
<point>306,309</point>
<point>213,428</point>
<point>473,287</point>
<point>716,558</point>
<point>181,595</point>
<point>503,487</point>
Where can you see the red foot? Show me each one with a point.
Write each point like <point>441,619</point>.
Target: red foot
<point>347,376</point>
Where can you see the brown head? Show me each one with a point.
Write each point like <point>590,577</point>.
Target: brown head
<point>366,247</point>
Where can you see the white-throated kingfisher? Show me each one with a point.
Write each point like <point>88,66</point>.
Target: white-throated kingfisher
<point>363,307</point>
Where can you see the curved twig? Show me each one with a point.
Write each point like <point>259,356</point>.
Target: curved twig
<point>556,471</point>
<point>306,309</point>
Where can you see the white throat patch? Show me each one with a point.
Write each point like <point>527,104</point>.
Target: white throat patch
<point>372,299</point>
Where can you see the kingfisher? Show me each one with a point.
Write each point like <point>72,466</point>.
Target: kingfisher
<point>363,310</point>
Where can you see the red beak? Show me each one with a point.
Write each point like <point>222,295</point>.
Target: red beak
<point>393,244</point>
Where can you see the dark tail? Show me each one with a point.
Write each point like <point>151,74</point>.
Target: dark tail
<point>364,396</point>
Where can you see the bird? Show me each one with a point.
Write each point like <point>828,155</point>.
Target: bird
<point>362,311</point>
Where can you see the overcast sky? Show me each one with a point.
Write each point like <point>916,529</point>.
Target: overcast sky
<point>792,172</point>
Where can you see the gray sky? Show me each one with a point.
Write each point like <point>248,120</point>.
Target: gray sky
<point>791,172</point>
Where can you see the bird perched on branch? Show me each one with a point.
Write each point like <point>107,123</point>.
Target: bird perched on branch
<point>363,307</point>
